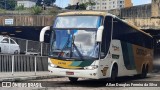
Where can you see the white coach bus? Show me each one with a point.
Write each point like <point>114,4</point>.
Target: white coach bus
<point>96,45</point>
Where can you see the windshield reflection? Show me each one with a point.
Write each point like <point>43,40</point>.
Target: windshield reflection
<point>79,22</point>
<point>76,44</point>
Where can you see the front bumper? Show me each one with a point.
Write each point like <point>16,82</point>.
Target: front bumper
<point>79,73</point>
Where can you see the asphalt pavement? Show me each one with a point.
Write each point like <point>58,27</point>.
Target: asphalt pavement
<point>23,76</point>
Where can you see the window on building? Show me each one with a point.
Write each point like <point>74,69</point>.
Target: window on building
<point>120,2</point>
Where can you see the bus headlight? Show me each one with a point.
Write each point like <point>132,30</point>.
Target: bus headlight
<point>52,65</point>
<point>91,67</point>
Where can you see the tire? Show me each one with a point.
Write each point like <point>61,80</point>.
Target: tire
<point>114,73</point>
<point>72,79</point>
<point>144,72</point>
<point>16,52</point>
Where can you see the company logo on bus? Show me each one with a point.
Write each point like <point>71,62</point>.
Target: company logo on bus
<point>115,48</point>
<point>141,52</point>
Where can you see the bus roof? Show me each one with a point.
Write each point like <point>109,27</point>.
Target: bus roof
<point>83,13</point>
<point>100,13</point>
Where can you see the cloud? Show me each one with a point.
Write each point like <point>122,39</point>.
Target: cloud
<point>148,1</point>
<point>140,2</point>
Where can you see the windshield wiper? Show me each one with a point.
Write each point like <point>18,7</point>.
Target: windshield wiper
<point>79,53</point>
<point>72,45</point>
<point>64,46</point>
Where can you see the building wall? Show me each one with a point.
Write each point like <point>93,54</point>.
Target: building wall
<point>105,4</point>
<point>26,4</point>
<point>28,20</point>
<point>128,3</point>
<point>155,8</point>
<point>140,16</point>
<point>73,2</point>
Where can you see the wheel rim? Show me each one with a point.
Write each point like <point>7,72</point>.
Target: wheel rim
<point>16,52</point>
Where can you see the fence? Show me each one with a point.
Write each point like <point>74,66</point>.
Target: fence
<point>23,63</point>
<point>32,46</point>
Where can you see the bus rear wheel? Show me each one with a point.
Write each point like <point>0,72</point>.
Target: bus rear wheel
<point>114,73</point>
<point>144,72</point>
<point>72,79</point>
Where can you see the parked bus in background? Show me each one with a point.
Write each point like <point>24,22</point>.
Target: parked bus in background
<point>96,45</point>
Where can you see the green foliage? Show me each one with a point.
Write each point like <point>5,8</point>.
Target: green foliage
<point>49,2</point>
<point>19,7</point>
<point>54,11</point>
<point>90,3</point>
<point>36,10</point>
<point>9,4</point>
<point>70,7</point>
<point>82,6</point>
<point>46,2</point>
<point>2,11</point>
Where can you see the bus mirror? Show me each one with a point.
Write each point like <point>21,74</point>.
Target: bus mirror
<point>99,34</point>
<point>42,33</point>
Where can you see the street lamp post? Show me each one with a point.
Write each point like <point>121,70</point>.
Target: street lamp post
<point>42,4</point>
<point>5,4</point>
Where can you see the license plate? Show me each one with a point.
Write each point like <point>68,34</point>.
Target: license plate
<point>69,73</point>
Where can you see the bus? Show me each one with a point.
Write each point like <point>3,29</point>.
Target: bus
<point>97,45</point>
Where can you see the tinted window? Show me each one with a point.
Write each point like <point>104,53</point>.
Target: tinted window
<point>128,34</point>
<point>12,42</point>
<point>106,38</point>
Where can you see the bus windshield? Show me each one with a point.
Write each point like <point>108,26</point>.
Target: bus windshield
<point>74,44</point>
<point>77,22</point>
<point>74,37</point>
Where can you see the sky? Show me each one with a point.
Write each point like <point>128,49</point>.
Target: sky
<point>64,3</point>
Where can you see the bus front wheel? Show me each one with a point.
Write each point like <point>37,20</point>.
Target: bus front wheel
<point>72,79</point>
<point>114,73</point>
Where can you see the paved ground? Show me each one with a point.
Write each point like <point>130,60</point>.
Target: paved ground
<point>62,83</point>
<point>21,76</point>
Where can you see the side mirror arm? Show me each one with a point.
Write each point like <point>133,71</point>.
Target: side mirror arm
<point>42,33</point>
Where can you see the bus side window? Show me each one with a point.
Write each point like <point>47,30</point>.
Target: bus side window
<point>106,37</point>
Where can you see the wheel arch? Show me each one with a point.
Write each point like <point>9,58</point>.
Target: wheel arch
<point>112,65</point>
<point>146,64</point>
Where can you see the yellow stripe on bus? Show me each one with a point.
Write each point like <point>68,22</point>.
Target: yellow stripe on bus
<point>63,64</point>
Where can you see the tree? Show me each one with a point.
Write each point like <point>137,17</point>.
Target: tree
<point>7,4</point>
<point>36,10</point>
<point>49,2</point>
<point>90,3</point>
<point>46,2</point>
<point>82,6</point>
<point>21,7</point>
